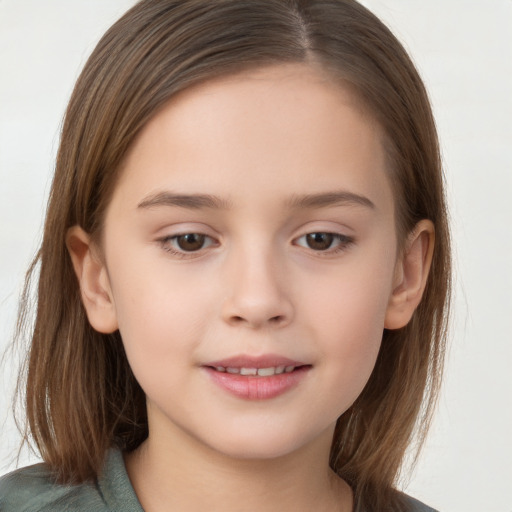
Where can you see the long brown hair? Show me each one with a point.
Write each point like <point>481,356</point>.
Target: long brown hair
<point>81,396</point>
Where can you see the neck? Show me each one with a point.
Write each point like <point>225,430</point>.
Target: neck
<point>180,476</point>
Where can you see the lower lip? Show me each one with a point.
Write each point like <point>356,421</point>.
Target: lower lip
<point>257,388</point>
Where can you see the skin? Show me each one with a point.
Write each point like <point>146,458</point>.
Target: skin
<point>258,142</point>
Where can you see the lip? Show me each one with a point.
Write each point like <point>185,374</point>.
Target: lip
<point>251,387</point>
<point>263,361</point>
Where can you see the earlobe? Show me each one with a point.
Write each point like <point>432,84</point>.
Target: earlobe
<point>411,275</point>
<point>93,280</point>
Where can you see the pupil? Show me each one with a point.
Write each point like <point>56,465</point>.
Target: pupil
<point>320,241</point>
<point>191,242</point>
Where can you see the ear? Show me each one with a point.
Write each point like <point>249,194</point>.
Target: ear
<point>411,274</point>
<point>93,279</point>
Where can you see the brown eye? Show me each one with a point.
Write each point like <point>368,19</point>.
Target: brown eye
<point>319,241</point>
<point>190,242</point>
<point>187,244</point>
<point>324,242</point>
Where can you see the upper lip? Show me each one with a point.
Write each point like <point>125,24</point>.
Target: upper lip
<point>263,361</point>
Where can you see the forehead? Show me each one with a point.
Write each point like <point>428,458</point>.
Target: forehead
<point>286,127</point>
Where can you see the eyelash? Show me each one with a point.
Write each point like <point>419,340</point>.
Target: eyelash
<point>343,242</point>
<point>168,241</point>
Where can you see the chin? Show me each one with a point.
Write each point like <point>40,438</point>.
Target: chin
<point>268,444</point>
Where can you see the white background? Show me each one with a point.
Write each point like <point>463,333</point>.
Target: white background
<point>463,49</point>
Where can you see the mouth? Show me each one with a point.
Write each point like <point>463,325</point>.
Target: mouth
<point>257,372</point>
<point>257,378</point>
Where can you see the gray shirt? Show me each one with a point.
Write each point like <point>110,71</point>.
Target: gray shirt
<point>32,489</point>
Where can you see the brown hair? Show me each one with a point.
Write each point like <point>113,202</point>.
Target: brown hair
<point>81,396</point>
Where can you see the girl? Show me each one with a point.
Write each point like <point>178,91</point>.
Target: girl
<point>245,268</point>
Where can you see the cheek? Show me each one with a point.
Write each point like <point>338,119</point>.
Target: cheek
<point>348,312</point>
<point>352,300</point>
<point>350,341</point>
<point>352,328</point>
<point>161,315</point>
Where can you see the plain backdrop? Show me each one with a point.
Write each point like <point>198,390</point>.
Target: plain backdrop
<point>463,49</point>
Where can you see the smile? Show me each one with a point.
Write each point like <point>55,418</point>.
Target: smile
<point>260,372</point>
<point>257,378</point>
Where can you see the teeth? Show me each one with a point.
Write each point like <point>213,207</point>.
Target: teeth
<point>261,372</point>
<point>266,372</point>
<point>248,371</point>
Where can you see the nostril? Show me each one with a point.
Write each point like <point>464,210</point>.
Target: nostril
<point>275,320</point>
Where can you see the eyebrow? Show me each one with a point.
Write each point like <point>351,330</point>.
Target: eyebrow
<point>325,199</point>
<point>306,201</point>
<point>190,201</point>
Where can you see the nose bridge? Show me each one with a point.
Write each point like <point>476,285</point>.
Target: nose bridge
<point>256,294</point>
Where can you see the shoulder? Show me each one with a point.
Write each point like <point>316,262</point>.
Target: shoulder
<point>33,489</point>
<point>399,502</point>
<point>413,505</point>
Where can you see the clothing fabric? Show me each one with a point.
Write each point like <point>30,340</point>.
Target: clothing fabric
<point>32,489</point>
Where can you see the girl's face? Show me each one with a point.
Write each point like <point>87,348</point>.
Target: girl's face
<point>250,254</point>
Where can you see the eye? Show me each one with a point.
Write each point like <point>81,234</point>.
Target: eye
<point>186,243</point>
<point>324,241</point>
<point>190,242</point>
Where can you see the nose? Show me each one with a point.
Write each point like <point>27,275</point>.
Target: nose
<point>256,295</point>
